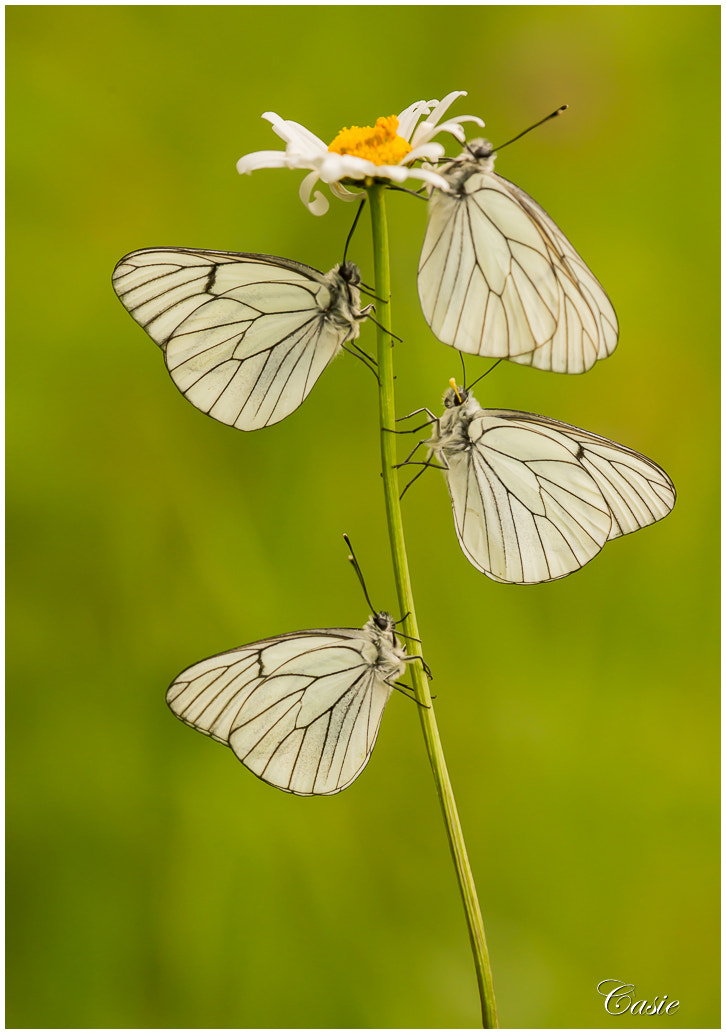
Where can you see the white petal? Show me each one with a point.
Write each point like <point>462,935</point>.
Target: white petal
<point>396,173</point>
<point>429,177</point>
<point>426,152</point>
<point>407,119</point>
<point>319,205</point>
<point>301,139</point>
<point>262,160</point>
<point>444,104</point>
<point>428,129</point>
<point>343,194</point>
<point>445,126</point>
<point>338,166</point>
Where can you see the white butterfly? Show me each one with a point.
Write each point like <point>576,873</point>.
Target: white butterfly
<point>245,337</point>
<point>497,277</point>
<point>300,710</point>
<point>535,499</point>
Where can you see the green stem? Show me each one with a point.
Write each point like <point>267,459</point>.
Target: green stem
<point>405,602</point>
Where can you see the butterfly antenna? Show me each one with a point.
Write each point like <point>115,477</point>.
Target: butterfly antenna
<point>541,122</point>
<point>356,567</point>
<point>486,372</point>
<point>352,229</point>
<point>463,368</point>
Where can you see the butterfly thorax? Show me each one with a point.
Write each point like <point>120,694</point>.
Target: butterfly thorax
<point>478,156</point>
<point>452,432</point>
<point>380,628</point>
<point>343,308</point>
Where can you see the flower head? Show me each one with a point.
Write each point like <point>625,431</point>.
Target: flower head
<point>385,151</point>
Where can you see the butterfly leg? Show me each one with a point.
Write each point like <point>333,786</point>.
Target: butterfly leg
<point>394,337</point>
<point>424,464</point>
<point>368,290</point>
<point>364,357</point>
<point>403,635</point>
<point>413,452</point>
<point>414,478</point>
<point>433,419</point>
<point>403,689</point>
<point>411,430</point>
<point>421,194</point>
<point>417,657</point>
<point>370,358</point>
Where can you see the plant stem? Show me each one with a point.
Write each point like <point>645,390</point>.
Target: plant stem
<point>405,601</point>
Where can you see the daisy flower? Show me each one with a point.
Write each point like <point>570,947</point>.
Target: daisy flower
<point>385,151</point>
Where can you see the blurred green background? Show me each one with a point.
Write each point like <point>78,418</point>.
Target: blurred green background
<point>153,881</point>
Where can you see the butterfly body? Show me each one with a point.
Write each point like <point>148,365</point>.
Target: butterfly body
<point>244,336</point>
<point>498,278</point>
<point>535,499</point>
<point>301,710</point>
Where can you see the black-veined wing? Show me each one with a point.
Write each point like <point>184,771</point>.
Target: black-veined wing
<point>301,710</point>
<point>535,499</point>
<point>637,491</point>
<point>244,337</point>
<point>497,277</point>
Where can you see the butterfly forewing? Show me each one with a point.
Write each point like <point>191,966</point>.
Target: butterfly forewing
<point>636,490</point>
<point>245,337</point>
<point>301,711</point>
<point>498,278</point>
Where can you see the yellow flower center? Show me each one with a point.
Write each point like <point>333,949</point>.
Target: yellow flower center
<point>380,144</point>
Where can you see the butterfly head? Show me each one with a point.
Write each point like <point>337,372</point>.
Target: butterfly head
<point>381,625</point>
<point>383,621</point>
<point>479,149</point>
<point>478,156</point>
<point>391,653</point>
<point>350,273</point>
<point>455,396</point>
<point>460,408</point>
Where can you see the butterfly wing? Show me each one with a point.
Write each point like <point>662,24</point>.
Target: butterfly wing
<point>301,711</point>
<point>525,509</point>
<point>637,491</point>
<point>245,337</point>
<point>535,499</point>
<point>498,278</point>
